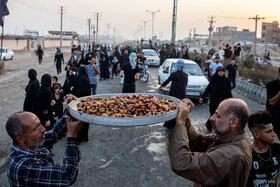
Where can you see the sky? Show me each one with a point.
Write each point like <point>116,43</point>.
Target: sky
<point>125,16</point>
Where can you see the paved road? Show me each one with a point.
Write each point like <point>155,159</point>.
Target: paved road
<point>127,156</point>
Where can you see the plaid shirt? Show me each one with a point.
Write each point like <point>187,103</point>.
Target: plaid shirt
<point>37,168</point>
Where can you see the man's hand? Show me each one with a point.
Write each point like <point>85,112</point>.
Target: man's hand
<point>71,98</point>
<point>184,109</point>
<point>73,127</point>
<point>200,100</point>
<point>48,123</point>
<point>53,102</point>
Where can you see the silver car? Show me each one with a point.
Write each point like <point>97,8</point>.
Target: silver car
<point>151,56</point>
<point>197,82</point>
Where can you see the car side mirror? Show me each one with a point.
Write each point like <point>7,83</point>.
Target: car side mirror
<point>165,71</point>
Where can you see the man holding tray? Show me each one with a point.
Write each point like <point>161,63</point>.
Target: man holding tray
<point>31,164</point>
<point>221,159</point>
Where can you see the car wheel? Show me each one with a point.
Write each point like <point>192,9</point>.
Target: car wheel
<point>12,57</point>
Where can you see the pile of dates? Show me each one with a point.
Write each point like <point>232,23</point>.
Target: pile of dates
<point>126,106</point>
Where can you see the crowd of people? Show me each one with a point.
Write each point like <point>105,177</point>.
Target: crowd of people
<point>224,158</point>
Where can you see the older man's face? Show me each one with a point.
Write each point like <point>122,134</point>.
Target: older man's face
<point>34,130</point>
<point>220,121</point>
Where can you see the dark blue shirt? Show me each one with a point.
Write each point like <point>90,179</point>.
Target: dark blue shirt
<point>37,168</point>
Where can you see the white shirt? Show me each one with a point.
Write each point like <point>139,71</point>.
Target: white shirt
<point>221,54</point>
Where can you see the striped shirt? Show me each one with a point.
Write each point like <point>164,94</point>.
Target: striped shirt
<point>37,168</point>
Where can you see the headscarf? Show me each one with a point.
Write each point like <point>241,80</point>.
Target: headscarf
<point>180,65</point>
<point>32,74</point>
<point>46,80</point>
<point>132,58</point>
<point>82,73</point>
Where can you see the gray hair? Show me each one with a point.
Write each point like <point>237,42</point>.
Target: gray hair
<point>14,127</point>
<point>241,113</point>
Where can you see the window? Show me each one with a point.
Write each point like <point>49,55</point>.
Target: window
<point>264,27</point>
<point>263,35</point>
<point>190,69</point>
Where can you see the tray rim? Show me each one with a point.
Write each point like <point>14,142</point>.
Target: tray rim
<point>122,122</point>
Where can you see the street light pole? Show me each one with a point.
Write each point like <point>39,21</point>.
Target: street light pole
<point>153,17</point>
<point>174,21</point>
<point>145,22</point>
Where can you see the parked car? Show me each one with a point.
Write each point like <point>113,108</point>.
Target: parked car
<point>151,56</point>
<point>197,82</point>
<point>7,53</point>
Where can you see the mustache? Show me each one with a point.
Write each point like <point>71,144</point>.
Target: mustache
<point>42,135</point>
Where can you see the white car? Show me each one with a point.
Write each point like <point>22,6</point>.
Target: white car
<point>7,53</point>
<point>151,56</point>
<point>197,82</point>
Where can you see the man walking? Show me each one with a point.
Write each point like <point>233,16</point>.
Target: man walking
<point>58,58</point>
<point>40,54</point>
<point>232,72</point>
<point>214,66</point>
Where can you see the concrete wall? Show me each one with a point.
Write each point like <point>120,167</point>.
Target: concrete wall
<point>16,44</point>
<point>238,36</point>
<point>29,44</point>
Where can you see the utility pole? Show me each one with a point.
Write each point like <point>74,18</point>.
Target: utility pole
<point>97,15</point>
<point>93,32</point>
<point>114,34</point>
<point>174,21</point>
<point>153,17</point>
<point>108,28</point>
<point>145,22</point>
<point>194,36</point>
<point>256,25</point>
<point>89,31</point>
<point>61,15</point>
<point>141,31</point>
<point>210,29</point>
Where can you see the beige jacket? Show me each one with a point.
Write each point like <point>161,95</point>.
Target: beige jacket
<point>208,160</point>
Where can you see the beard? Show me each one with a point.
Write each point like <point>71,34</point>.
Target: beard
<point>35,143</point>
<point>223,130</point>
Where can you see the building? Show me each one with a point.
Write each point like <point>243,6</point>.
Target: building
<point>270,32</point>
<point>230,34</point>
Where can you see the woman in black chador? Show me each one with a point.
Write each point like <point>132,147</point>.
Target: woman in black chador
<point>31,90</point>
<point>81,89</point>
<point>43,102</point>
<point>219,90</point>
<point>104,65</point>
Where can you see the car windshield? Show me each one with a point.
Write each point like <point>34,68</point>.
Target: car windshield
<point>150,53</point>
<point>190,69</point>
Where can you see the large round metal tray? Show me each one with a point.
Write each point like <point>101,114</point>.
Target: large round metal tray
<point>122,122</point>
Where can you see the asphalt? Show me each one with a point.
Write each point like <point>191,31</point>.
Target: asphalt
<point>113,156</point>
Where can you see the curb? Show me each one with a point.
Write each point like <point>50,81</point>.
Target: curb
<point>252,90</point>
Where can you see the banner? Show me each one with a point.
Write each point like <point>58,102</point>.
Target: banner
<point>4,11</point>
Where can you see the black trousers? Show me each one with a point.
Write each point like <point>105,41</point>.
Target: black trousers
<point>128,88</point>
<point>58,68</point>
<point>114,70</point>
<point>40,58</point>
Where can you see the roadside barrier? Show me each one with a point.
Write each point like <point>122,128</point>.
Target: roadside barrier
<point>252,90</point>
